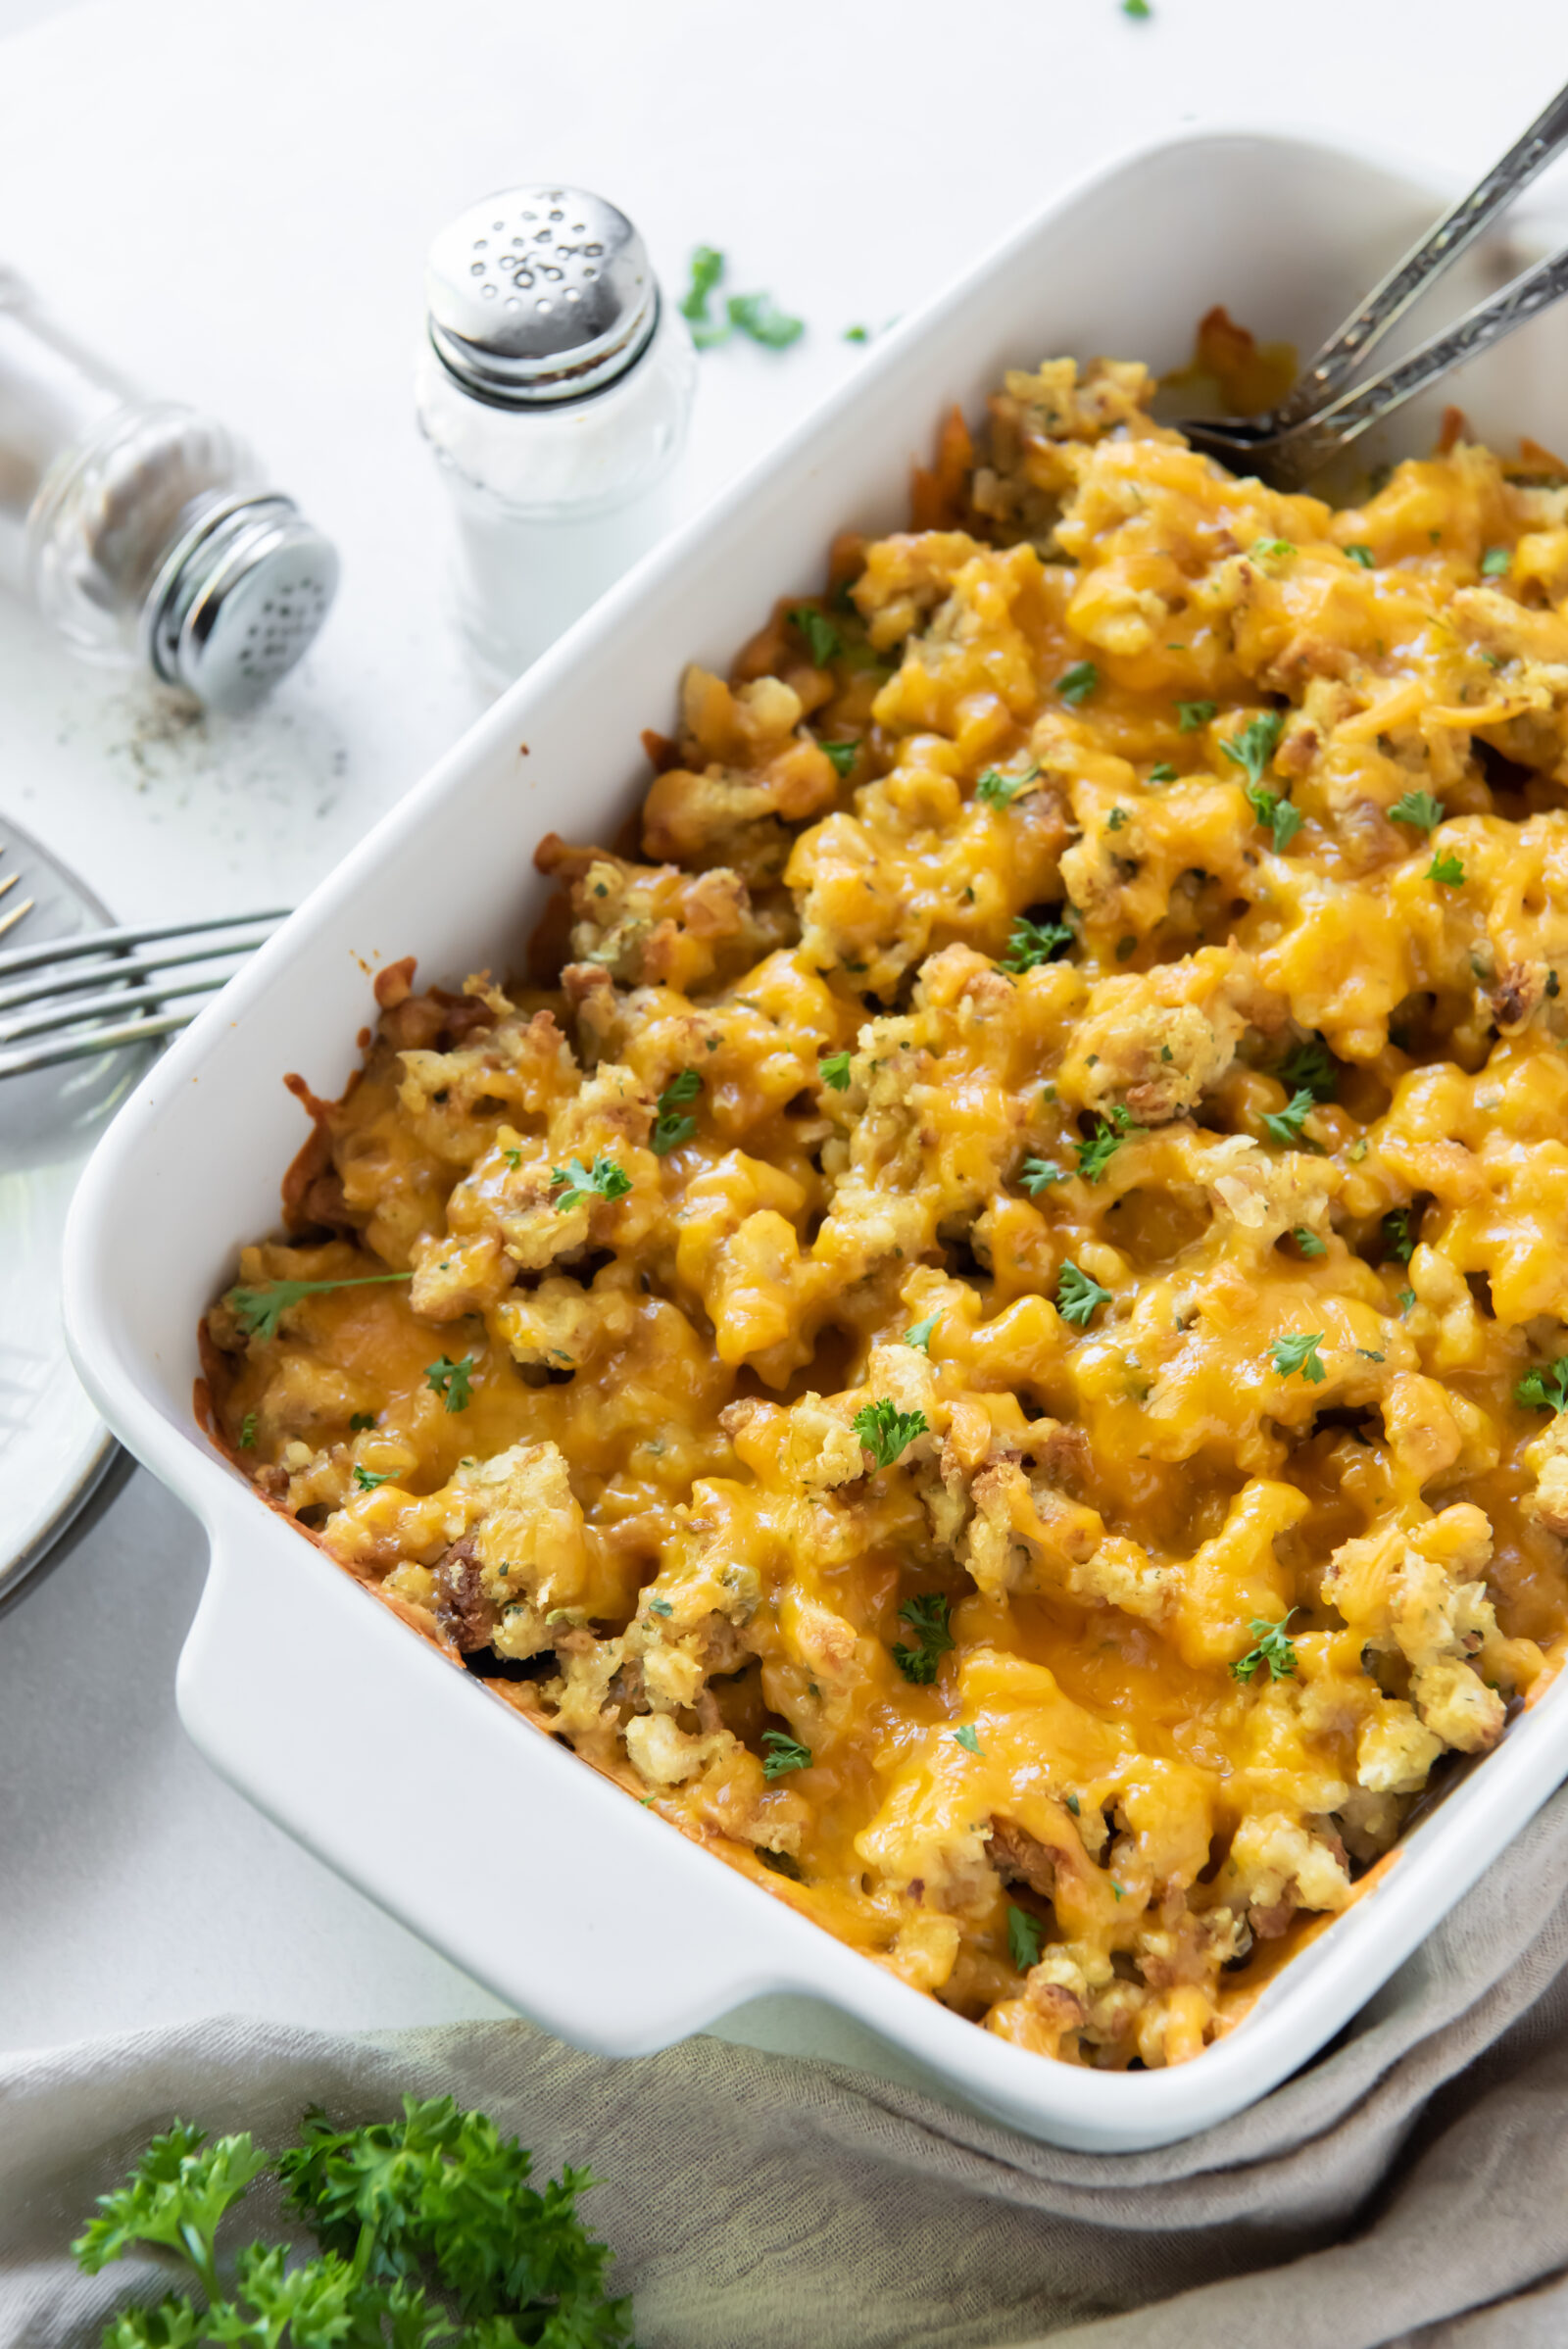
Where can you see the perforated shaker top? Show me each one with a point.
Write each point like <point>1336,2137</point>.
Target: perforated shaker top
<point>540,294</point>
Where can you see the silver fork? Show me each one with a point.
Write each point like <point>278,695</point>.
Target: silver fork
<point>1317,417</point>
<point>118,996</point>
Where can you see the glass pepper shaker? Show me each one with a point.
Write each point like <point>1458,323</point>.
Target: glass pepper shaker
<point>555,387</point>
<point>144,531</point>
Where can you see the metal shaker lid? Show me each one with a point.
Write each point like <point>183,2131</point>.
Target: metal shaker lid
<point>539,295</point>
<point>238,599</point>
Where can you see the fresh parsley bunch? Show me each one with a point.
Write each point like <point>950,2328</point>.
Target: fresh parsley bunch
<point>428,2230</point>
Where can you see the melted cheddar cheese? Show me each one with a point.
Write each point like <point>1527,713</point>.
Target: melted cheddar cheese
<point>989,1339</point>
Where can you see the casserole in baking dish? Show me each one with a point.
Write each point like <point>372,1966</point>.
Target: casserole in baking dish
<point>696,1953</point>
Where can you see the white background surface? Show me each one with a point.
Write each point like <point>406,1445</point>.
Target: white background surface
<point>234,201</point>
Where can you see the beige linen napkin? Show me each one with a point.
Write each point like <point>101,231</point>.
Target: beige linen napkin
<point>1410,2189</point>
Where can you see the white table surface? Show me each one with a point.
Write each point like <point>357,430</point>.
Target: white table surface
<point>233,201</point>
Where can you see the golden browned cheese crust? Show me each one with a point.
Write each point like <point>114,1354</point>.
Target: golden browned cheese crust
<point>967,1348</point>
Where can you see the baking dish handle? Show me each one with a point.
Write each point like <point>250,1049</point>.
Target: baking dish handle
<point>487,1838</point>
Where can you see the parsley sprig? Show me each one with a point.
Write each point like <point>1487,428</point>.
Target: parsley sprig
<point>1079,1296</point>
<point>1446,870</point>
<point>1023,1937</point>
<point>885,1431</point>
<point>927,1619</point>
<point>999,790</point>
<point>1096,1153</point>
<point>1544,1388</point>
<point>1038,1174</point>
<point>1298,1351</point>
<point>1272,1648</point>
<point>1076,684</point>
<point>1417,808</point>
<point>823,640</point>
<point>1311,1064</point>
<point>783,1753</point>
<point>602,1180</point>
<point>673,1126</point>
<point>919,1336</point>
<point>1032,942</point>
<point>258,1311</point>
<point>834,1070</point>
<point>409,2217</point>
<point>1284,1126</point>
<point>453,1381</point>
<point>1252,749</point>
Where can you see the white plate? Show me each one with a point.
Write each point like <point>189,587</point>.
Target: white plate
<point>547,1883</point>
<point>53,1445</point>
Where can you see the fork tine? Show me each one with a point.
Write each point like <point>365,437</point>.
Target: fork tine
<point>22,1062</point>
<point>104,942</point>
<point>121,1001</point>
<point>33,991</point>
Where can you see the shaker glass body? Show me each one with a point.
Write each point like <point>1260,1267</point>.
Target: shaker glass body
<point>553,505</point>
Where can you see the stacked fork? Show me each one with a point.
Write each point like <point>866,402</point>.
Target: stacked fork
<point>102,990</point>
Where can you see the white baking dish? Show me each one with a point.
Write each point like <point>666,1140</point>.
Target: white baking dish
<point>545,1881</point>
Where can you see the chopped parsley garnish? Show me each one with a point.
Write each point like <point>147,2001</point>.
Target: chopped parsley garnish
<point>367,1479</point>
<point>857,334</point>
<point>1262,547</point>
<point>1364,556</point>
<point>247,1432</point>
<point>1139,10</point>
<point>1076,684</point>
<point>782,1752</point>
<point>886,1430</point>
<point>998,790</point>
<point>1299,1351</point>
<point>708,267</point>
<point>1162,771</point>
<point>671,1127</point>
<point>1074,1806</point>
<point>759,317</point>
<point>920,1336</point>
<point>1447,870</point>
<point>361,1420</point>
<point>1095,1155</point>
<point>1396,1239</point>
<point>1494,562</point>
<point>1256,745</point>
<point>1115,819</point>
<point>1308,1242</point>
<point>1079,1296</point>
<point>968,1738</point>
<point>1038,1174</point>
<point>1545,1387</point>
<point>843,755</point>
<point>823,640</point>
<point>1189,716</point>
<point>514,1159</point>
<point>660,1606</point>
<point>1406,1300</point>
<point>1284,1126</point>
<point>1023,1931</point>
<point>1032,942</point>
<point>453,1381</point>
<point>1311,1064</point>
<point>927,1619</point>
<point>834,1070</point>
<point>1273,1649</point>
<point>259,1309</point>
<point>1417,808</point>
<point>602,1180</point>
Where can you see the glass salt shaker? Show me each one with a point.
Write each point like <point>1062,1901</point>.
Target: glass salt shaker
<point>555,387</point>
<point>143,531</point>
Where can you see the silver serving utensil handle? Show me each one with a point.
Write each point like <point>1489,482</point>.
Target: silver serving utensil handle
<point>1441,246</point>
<point>1290,459</point>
